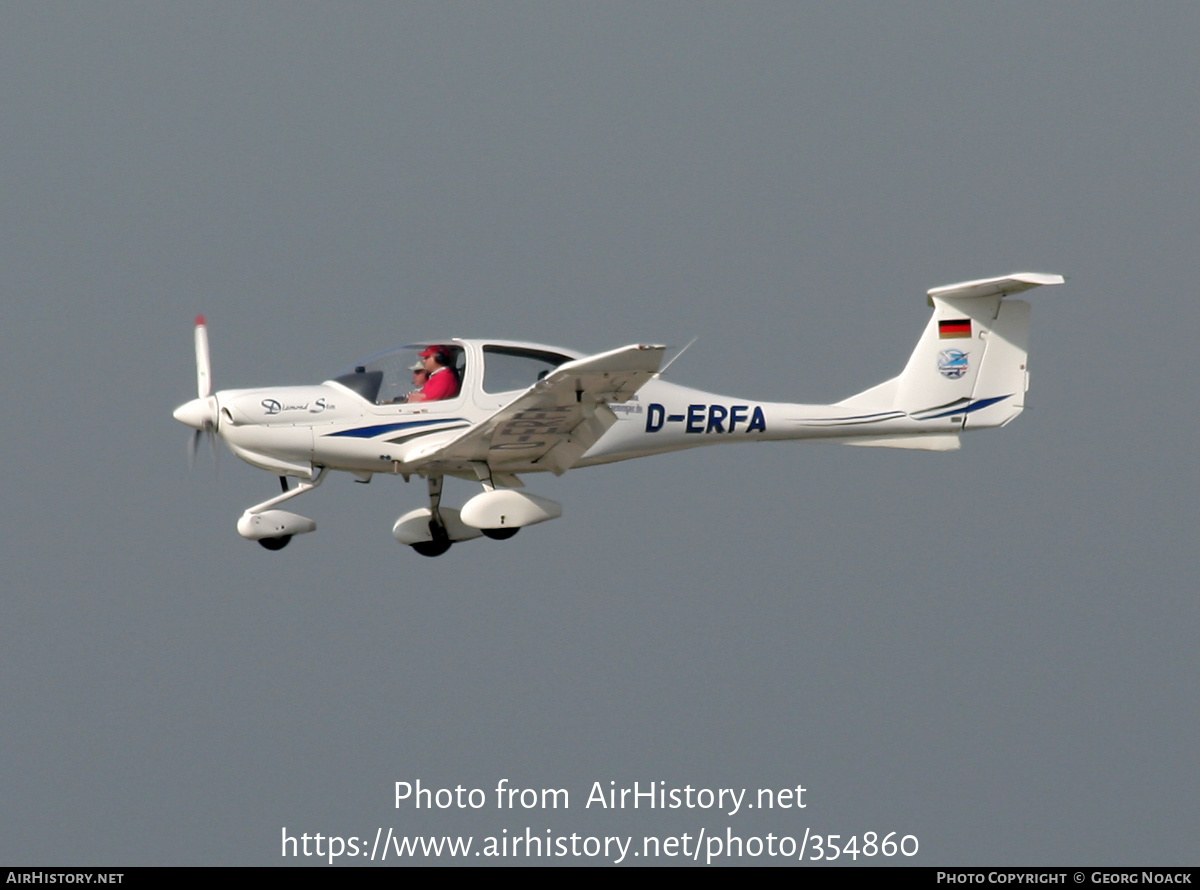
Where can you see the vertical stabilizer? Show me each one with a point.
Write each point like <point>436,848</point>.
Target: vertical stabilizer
<point>968,370</point>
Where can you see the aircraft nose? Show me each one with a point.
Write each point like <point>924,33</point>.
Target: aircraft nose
<point>199,414</point>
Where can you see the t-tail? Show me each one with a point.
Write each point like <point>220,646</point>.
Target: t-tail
<point>969,369</point>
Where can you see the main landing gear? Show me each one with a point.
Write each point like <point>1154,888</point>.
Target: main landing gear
<point>499,534</point>
<point>437,546</point>
<point>494,513</point>
<point>431,530</point>
<point>439,541</point>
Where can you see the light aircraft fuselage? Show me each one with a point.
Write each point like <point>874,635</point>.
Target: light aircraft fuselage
<point>523,408</point>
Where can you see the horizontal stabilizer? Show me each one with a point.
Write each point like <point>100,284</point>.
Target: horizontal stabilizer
<point>994,287</point>
<point>913,443</point>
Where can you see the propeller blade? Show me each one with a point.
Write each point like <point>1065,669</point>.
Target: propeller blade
<point>203,368</point>
<point>201,412</point>
<point>212,446</point>
<point>194,446</point>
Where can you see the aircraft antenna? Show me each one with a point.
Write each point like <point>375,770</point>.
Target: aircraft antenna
<point>663,369</point>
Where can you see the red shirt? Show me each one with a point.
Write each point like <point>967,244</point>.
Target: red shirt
<point>442,384</point>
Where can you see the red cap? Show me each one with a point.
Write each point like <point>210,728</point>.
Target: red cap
<point>434,350</point>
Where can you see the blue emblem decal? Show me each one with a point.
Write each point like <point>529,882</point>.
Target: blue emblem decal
<point>952,363</point>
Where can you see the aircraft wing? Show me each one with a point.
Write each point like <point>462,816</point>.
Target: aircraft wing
<point>551,424</point>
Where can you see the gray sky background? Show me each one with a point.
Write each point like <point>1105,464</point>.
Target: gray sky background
<point>993,650</point>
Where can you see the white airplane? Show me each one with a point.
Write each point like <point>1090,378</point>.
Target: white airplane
<point>513,408</point>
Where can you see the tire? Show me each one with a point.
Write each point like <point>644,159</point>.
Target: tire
<point>432,548</point>
<point>499,534</point>
<point>275,543</point>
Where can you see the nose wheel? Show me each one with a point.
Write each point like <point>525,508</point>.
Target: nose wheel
<point>273,529</point>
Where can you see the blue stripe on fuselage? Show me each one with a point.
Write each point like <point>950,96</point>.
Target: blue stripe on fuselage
<point>369,432</point>
<point>974,406</point>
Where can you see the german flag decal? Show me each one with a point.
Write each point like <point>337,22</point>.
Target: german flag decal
<point>954,329</point>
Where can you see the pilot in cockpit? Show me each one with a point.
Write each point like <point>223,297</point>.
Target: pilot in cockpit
<point>442,382</point>
<point>419,378</point>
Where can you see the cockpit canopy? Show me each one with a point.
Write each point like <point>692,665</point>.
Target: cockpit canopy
<point>387,377</point>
